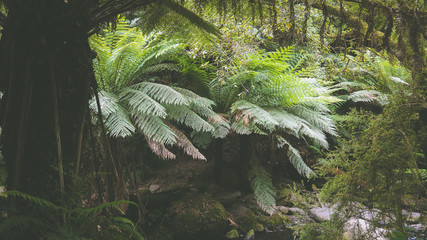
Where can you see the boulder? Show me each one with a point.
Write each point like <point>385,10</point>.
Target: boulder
<point>322,213</point>
<point>197,214</point>
<point>356,228</point>
<point>154,188</point>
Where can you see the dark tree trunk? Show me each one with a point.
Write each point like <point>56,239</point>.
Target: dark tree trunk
<point>46,67</point>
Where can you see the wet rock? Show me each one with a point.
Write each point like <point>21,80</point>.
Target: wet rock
<point>294,210</point>
<point>232,234</point>
<point>154,188</point>
<point>197,214</point>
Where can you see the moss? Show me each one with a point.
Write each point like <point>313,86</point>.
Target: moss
<point>277,221</point>
<point>284,197</point>
<point>247,221</point>
<point>259,227</point>
<point>232,234</point>
<point>179,186</point>
<point>197,214</point>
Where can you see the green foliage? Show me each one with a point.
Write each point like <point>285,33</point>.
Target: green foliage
<point>272,93</point>
<point>328,230</point>
<point>131,66</point>
<point>379,168</point>
<point>262,186</point>
<point>61,222</point>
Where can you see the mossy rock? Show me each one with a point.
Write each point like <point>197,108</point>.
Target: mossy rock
<point>277,221</point>
<point>284,197</point>
<point>197,214</point>
<point>259,227</point>
<point>232,234</point>
<point>179,186</point>
<point>247,221</point>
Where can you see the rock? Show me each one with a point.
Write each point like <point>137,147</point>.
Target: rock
<point>143,190</point>
<point>355,228</point>
<point>412,217</point>
<point>197,214</point>
<point>232,234</point>
<point>294,210</point>
<point>322,213</point>
<point>283,209</point>
<point>154,188</point>
<point>259,227</point>
<point>250,235</point>
<point>228,198</point>
<point>247,220</point>
<point>277,221</point>
<point>178,186</point>
<point>418,227</point>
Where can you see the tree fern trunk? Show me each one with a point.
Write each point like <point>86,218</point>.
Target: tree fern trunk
<point>46,67</point>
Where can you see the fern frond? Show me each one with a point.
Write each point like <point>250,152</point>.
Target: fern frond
<point>254,113</point>
<point>19,223</point>
<point>154,128</point>
<point>315,134</point>
<point>161,93</point>
<point>221,125</point>
<point>364,96</point>
<point>240,128</point>
<point>262,186</point>
<point>316,118</point>
<point>295,158</point>
<point>161,67</point>
<point>127,228</point>
<point>140,102</point>
<point>39,202</point>
<point>187,146</point>
<point>186,116</point>
<point>160,150</point>
<point>116,118</point>
<point>195,99</point>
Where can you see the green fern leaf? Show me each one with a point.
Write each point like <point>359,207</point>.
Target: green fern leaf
<point>262,186</point>
<point>295,158</point>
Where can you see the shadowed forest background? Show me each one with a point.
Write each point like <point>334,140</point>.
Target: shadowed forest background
<point>213,119</point>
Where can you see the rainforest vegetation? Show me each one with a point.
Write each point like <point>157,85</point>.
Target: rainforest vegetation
<point>213,119</point>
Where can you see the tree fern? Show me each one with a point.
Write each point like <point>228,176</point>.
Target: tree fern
<point>132,101</point>
<point>272,94</point>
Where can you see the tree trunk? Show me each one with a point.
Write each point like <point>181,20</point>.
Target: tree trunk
<point>46,66</point>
